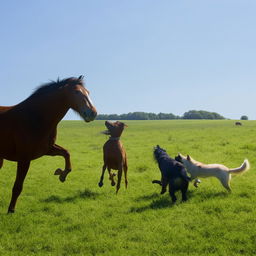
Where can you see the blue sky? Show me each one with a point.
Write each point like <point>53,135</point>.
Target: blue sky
<point>139,55</point>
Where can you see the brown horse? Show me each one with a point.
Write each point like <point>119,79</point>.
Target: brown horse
<point>28,130</point>
<point>114,154</point>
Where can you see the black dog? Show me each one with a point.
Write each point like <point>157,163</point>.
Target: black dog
<point>172,173</point>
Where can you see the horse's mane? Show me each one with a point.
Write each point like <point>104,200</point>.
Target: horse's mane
<point>51,86</point>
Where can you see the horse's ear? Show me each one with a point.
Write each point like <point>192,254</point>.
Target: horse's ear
<point>188,158</point>
<point>81,77</point>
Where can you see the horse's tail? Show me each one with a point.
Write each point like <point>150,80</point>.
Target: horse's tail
<point>243,168</point>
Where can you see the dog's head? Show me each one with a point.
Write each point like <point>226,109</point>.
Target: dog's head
<point>158,151</point>
<point>114,129</point>
<point>180,158</point>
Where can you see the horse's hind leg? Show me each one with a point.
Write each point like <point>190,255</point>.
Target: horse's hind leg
<point>1,162</point>
<point>56,150</point>
<point>125,175</point>
<point>119,175</point>
<point>102,175</point>
<point>22,170</point>
<point>111,177</point>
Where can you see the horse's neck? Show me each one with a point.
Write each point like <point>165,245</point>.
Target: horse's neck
<point>49,110</point>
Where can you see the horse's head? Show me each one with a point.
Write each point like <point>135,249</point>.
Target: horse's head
<point>79,100</point>
<point>115,129</point>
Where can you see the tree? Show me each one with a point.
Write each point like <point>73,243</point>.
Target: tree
<point>244,118</point>
<point>201,114</point>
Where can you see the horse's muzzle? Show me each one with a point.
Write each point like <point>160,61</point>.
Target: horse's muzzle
<point>90,115</point>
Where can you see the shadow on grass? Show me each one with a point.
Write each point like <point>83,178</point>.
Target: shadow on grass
<point>163,202</point>
<point>206,195</point>
<point>147,197</point>
<point>86,194</point>
<point>157,202</point>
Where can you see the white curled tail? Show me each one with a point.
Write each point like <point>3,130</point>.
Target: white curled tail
<point>243,168</point>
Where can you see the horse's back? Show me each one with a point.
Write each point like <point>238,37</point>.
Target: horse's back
<point>3,109</point>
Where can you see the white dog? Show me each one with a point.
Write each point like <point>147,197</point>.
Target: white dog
<point>221,172</point>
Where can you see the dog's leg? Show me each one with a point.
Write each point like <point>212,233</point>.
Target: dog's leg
<point>111,177</point>
<point>225,181</point>
<point>102,175</point>
<point>119,175</point>
<point>184,191</point>
<point>164,185</point>
<point>172,191</point>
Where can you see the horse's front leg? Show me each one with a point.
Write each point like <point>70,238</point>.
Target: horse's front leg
<point>22,170</point>
<point>102,175</point>
<point>56,150</point>
<point>1,162</point>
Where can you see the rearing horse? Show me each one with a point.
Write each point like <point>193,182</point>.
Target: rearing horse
<point>28,130</point>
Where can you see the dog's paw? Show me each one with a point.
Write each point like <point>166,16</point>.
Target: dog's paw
<point>163,191</point>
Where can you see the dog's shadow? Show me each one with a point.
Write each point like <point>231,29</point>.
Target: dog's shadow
<point>157,202</point>
<point>85,194</point>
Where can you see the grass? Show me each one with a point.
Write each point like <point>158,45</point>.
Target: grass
<point>79,218</point>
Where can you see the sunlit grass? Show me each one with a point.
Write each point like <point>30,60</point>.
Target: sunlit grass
<point>79,218</point>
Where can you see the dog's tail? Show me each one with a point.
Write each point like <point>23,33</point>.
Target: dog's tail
<point>243,168</point>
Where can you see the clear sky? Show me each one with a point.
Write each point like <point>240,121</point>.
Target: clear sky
<point>166,56</point>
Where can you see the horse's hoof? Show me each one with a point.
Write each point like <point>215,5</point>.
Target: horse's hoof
<point>10,211</point>
<point>100,184</point>
<point>62,178</point>
<point>58,172</point>
<point>113,183</point>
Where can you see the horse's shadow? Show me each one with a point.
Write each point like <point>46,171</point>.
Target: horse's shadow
<point>85,194</point>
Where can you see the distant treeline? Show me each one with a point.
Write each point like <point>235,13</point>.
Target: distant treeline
<point>192,114</point>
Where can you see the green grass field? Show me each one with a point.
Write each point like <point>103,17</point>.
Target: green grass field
<point>79,218</point>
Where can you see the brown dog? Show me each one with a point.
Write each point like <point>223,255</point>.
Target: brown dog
<point>114,154</point>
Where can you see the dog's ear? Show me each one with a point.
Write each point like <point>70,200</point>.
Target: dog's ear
<point>188,158</point>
